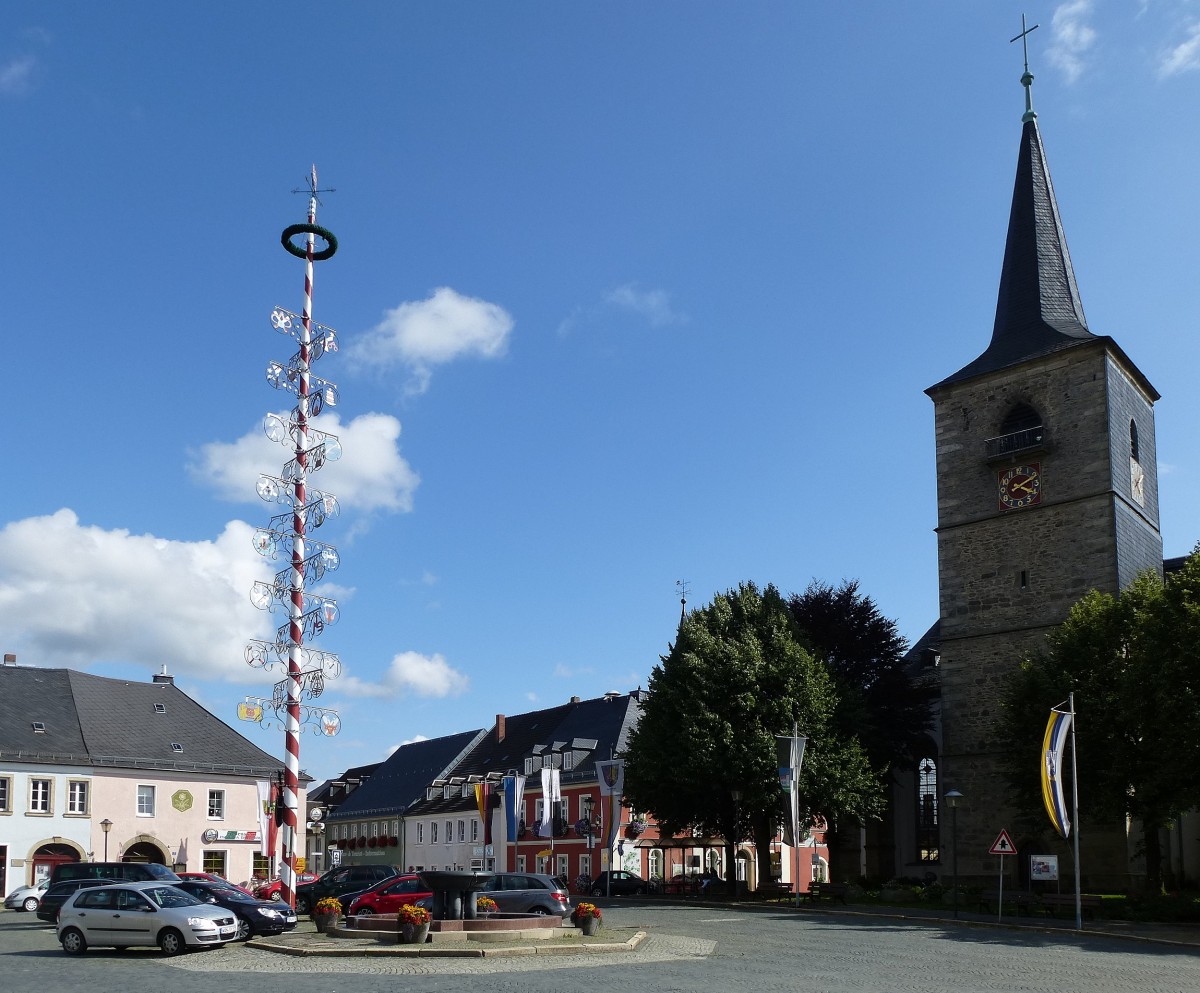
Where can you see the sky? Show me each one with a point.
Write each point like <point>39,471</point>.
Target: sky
<point>628,294</point>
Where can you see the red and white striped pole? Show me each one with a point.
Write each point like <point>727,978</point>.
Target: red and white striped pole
<point>291,774</point>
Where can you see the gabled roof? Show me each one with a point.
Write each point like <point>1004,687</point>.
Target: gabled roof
<point>401,779</point>
<point>117,723</point>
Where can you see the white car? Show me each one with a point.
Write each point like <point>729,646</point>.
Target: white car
<point>146,913</point>
<point>26,897</point>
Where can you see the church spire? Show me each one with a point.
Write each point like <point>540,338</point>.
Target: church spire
<point>1038,308</point>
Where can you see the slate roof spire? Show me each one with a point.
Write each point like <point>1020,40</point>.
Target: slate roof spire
<point>1038,308</point>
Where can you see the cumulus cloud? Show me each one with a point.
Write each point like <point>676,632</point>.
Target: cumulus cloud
<point>421,334</point>
<point>653,305</point>
<point>1184,57</point>
<point>16,75</point>
<point>75,596</point>
<point>410,674</point>
<point>370,476</point>
<point>1071,37</point>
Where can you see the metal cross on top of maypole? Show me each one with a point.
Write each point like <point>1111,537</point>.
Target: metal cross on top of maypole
<point>286,533</point>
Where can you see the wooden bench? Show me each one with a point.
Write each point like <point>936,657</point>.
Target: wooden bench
<point>826,891</point>
<point>776,889</point>
<point>1088,903</point>
<point>1023,901</point>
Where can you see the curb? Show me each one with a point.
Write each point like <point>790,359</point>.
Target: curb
<point>432,951</point>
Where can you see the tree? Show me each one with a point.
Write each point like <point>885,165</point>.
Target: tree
<point>1133,663</point>
<point>736,677</point>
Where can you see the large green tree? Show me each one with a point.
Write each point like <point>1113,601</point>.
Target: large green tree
<point>1133,663</point>
<point>736,677</point>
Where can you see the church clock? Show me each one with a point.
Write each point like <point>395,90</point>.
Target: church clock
<point>1020,486</point>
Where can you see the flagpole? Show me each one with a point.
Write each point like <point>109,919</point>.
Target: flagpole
<point>1075,807</point>
<point>795,812</point>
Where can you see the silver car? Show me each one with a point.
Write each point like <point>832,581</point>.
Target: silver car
<point>528,893</point>
<point>26,897</point>
<point>146,913</point>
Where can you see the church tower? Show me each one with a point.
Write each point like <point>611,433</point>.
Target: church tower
<point>1047,488</point>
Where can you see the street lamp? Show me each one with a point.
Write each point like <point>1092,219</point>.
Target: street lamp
<point>952,798</point>
<point>106,826</point>
<point>737,802</point>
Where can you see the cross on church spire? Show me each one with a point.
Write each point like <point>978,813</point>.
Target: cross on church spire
<point>1027,78</point>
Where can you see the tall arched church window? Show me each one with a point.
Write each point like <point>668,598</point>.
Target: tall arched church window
<point>927,810</point>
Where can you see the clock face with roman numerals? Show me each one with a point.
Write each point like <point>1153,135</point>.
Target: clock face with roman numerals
<point>1020,486</point>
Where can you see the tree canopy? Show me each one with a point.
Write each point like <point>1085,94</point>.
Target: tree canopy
<point>1133,663</point>
<point>736,677</point>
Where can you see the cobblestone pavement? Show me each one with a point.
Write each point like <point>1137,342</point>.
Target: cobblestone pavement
<point>689,946</point>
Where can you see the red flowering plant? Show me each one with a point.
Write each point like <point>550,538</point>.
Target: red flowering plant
<point>485,905</point>
<point>585,909</point>
<point>412,913</point>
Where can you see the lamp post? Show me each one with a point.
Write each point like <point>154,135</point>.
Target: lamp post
<point>952,800</point>
<point>588,803</point>
<point>106,826</point>
<point>737,804</point>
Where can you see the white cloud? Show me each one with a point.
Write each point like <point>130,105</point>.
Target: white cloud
<point>410,673</point>
<point>407,741</point>
<point>653,305</point>
<point>1184,57</point>
<point>16,75</point>
<point>74,596</point>
<point>1071,37</point>
<point>425,333</point>
<point>371,475</point>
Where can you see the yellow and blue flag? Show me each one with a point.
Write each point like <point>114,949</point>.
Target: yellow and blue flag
<point>1053,745</point>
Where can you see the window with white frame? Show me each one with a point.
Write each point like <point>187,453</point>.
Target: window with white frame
<point>521,863</point>
<point>585,866</point>
<point>77,796</point>
<point>474,828</point>
<point>41,793</point>
<point>5,793</point>
<point>529,766</point>
<point>145,801</point>
<point>433,832</point>
<point>216,863</point>
<point>420,833</point>
<point>374,833</point>
<point>395,829</point>
<point>216,805</point>
<point>462,830</point>
<point>563,864</point>
<point>568,761</point>
<point>656,863</point>
<point>449,832</point>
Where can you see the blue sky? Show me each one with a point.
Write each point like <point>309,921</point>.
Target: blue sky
<point>628,293</point>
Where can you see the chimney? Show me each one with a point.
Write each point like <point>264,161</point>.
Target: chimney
<point>162,677</point>
<point>9,659</point>
<point>575,699</point>
<point>499,727</point>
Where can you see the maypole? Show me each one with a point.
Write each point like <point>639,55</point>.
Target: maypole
<point>308,614</point>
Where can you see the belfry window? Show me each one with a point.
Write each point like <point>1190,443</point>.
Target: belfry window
<point>1021,429</point>
<point>1133,442</point>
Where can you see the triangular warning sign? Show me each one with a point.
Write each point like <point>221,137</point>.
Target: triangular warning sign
<point>1003,845</point>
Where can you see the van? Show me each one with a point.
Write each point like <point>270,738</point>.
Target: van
<point>133,872</point>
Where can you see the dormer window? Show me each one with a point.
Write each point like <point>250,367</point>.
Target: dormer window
<point>446,791</point>
<point>176,746</point>
<point>160,708</point>
<point>1021,430</point>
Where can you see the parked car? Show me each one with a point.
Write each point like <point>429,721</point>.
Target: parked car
<point>254,916</point>
<point>528,893</point>
<point>386,897</point>
<point>212,877</point>
<point>148,913</point>
<point>26,897</point>
<point>271,890</point>
<point>60,893</point>
<point>618,882</point>
<point>133,871</point>
<point>343,879</point>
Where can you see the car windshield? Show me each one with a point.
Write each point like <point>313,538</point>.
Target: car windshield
<point>228,893</point>
<point>170,896</point>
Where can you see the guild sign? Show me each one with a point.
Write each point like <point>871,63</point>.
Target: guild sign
<point>209,836</point>
<point>181,800</point>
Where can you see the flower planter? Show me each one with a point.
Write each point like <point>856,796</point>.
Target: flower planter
<point>324,922</point>
<point>588,925</point>
<point>414,934</point>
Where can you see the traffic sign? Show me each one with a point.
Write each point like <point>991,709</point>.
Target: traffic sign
<point>1003,845</point>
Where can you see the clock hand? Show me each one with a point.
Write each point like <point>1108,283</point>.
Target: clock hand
<point>1025,486</point>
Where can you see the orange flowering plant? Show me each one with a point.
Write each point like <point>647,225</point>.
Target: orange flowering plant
<point>585,909</point>
<point>412,913</point>
<point>485,905</point>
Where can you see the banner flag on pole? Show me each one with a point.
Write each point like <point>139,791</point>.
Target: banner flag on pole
<point>514,800</point>
<point>483,800</point>
<point>550,799</point>
<point>1055,741</point>
<point>790,753</point>
<point>611,776</point>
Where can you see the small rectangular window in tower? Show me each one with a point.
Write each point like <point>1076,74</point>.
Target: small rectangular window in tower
<point>1024,579</point>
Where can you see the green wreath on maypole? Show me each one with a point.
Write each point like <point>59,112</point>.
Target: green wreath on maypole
<point>302,253</point>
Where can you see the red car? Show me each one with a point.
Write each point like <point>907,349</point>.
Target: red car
<point>270,891</point>
<point>388,896</point>
<point>212,877</point>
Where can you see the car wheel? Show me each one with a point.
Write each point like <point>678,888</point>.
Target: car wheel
<point>597,891</point>
<point>171,941</point>
<point>301,905</point>
<point>243,931</point>
<point>31,904</point>
<point>538,911</point>
<point>73,941</point>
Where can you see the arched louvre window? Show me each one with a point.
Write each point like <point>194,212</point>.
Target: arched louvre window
<point>1133,442</point>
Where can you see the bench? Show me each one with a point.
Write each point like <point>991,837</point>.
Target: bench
<point>826,891</point>
<point>1023,901</point>
<point>1088,903</point>
<point>776,889</point>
